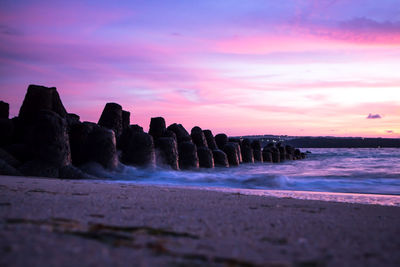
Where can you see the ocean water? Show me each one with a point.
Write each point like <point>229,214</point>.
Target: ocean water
<point>335,170</point>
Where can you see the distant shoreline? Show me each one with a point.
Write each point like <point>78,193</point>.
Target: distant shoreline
<point>329,142</point>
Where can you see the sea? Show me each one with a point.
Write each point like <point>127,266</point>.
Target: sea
<point>359,175</point>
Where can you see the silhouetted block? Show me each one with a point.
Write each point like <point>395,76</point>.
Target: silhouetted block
<point>267,154</point>
<point>289,152</point>
<point>157,127</point>
<point>72,119</point>
<point>171,134</point>
<point>49,141</point>
<point>181,134</point>
<point>247,151</point>
<point>232,152</point>
<point>39,98</point>
<point>221,140</point>
<point>188,155</point>
<point>282,153</point>
<point>78,138</point>
<point>276,157</point>
<point>101,147</point>
<point>198,137</point>
<point>111,118</point>
<point>4,110</point>
<point>220,158</point>
<point>167,152</point>
<point>6,131</point>
<point>257,152</point>
<point>139,149</point>
<point>126,119</point>
<point>210,139</point>
<point>206,159</point>
<point>297,154</point>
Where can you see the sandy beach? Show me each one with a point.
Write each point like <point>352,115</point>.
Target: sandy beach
<point>92,223</point>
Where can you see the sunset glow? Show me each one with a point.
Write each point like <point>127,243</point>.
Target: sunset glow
<point>241,67</point>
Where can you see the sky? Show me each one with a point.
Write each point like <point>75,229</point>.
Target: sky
<point>293,67</point>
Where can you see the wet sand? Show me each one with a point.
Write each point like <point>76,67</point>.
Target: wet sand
<point>91,223</point>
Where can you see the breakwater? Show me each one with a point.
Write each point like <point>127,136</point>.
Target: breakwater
<point>45,140</point>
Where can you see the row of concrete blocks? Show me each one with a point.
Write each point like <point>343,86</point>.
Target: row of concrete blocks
<point>175,147</point>
<point>44,134</point>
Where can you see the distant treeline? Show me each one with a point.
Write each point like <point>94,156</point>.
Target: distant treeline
<point>332,142</point>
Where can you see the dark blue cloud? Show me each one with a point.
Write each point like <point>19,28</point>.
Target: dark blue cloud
<point>374,116</point>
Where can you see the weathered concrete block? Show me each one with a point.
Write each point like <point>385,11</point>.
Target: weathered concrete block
<point>49,141</point>
<point>167,152</point>
<point>139,150</point>
<point>111,118</point>
<point>231,150</point>
<point>220,158</point>
<point>157,127</point>
<point>188,155</point>
<point>210,139</point>
<point>206,159</point>
<point>181,134</point>
<point>221,140</point>
<point>198,137</point>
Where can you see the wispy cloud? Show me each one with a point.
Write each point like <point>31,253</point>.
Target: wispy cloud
<point>374,116</point>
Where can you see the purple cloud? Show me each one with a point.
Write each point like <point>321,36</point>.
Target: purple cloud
<point>370,25</point>
<point>374,116</point>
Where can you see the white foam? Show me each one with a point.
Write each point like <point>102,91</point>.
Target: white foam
<point>372,199</point>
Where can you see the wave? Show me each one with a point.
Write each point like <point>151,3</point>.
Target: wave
<point>327,170</point>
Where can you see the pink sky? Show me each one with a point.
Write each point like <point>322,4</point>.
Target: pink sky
<point>239,67</point>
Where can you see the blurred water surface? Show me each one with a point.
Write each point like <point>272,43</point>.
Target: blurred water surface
<point>358,170</point>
